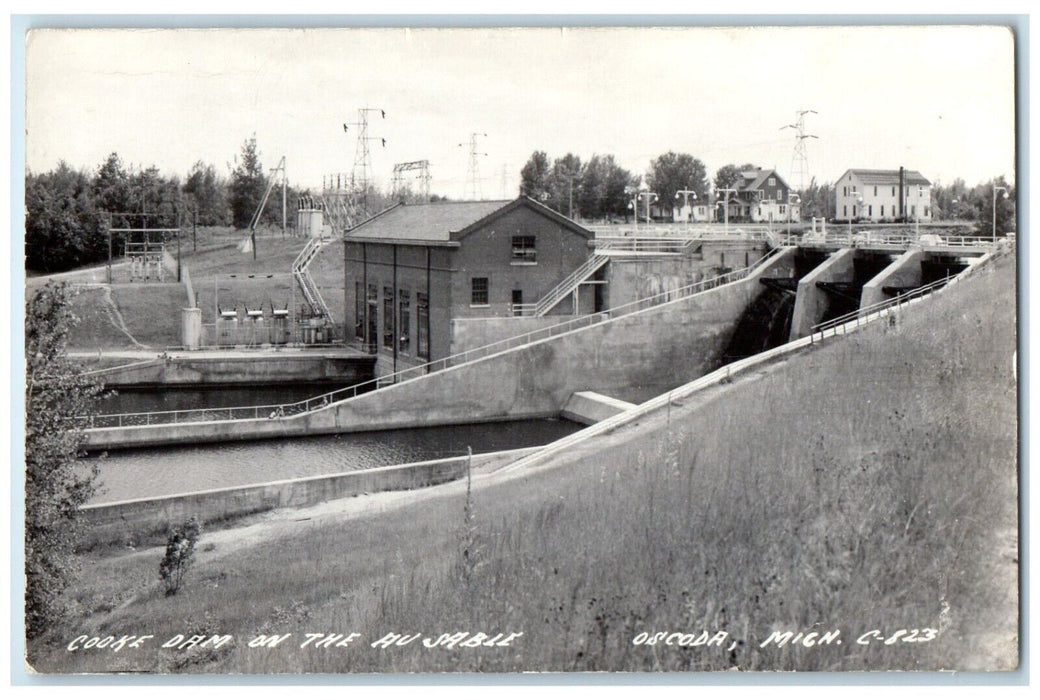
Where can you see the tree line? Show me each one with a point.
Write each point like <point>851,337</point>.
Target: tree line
<point>599,189</point>
<point>68,211</point>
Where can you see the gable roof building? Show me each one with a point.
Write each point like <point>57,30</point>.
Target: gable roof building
<point>413,269</point>
<point>883,195</point>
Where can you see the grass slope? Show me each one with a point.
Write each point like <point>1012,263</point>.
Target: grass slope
<point>868,484</point>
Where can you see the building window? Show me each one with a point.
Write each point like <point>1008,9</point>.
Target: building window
<point>422,323</point>
<point>870,210</point>
<point>359,311</point>
<point>845,191</point>
<point>783,209</point>
<point>845,211</point>
<point>479,291</point>
<point>882,210</point>
<point>404,318</point>
<point>772,182</point>
<point>524,250</point>
<point>388,317</point>
<point>913,210</point>
<point>893,191</point>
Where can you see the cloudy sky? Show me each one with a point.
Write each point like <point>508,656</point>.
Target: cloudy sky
<point>936,99</point>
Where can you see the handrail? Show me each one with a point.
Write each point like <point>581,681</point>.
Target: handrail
<point>867,310</point>
<point>724,373</point>
<point>307,405</point>
<point>560,291</point>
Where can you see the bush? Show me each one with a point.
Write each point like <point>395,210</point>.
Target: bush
<point>180,553</point>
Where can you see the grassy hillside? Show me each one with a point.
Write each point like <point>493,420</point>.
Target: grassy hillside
<point>868,484</point>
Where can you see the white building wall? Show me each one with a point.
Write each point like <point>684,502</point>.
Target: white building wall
<point>880,202</point>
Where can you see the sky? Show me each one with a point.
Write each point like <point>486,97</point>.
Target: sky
<point>937,99</point>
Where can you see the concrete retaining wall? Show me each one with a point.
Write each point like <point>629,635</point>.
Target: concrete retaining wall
<point>139,519</point>
<point>257,369</point>
<point>470,333</point>
<point>589,408</point>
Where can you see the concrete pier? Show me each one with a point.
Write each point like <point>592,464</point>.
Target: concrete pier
<point>905,271</point>
<point>811,303</point>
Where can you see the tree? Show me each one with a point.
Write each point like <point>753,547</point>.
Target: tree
<point>247,185</point>
<point>728,175</point>
<point>180,554</point>
<point>817,200</point>
<point>62,225</point>
<point>58,398</point>
<point>206,193</point>
<point>562,194</point>
<point>534,177</point>
<point>985,198</point>
<point>671,172</point>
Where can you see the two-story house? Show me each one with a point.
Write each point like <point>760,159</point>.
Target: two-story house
<point>883,195</point>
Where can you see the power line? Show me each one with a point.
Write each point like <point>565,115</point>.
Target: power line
<point>800,157</point>
<point>473,171</point>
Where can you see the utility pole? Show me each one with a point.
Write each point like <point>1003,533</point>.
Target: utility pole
<point>800,158</point>
<point>473,171</point>
<point>363,156</point>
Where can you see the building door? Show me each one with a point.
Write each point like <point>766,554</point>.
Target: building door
<point>518,299</point>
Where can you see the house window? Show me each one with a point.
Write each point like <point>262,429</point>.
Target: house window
<point>518,300</point>
<point>882,210</point>
<point>479,291</point>
<point>875,190</point>
<point>913,210</point>
<point>388,317</point>
<point>845,211</point>
<point>772,182</point>
<point>845,191</point>
<point>524,250</point>
<point>359,311</point>
<point>422,322</point>
<point>404,318</point>
<point>783,209</point>
<point>870,210</point>
<point>893,191</point>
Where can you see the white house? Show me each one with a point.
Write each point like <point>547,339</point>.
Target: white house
<point>760,196</point>
<point>883,195</point>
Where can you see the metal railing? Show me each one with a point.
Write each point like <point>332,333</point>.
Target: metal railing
<point>307,285</point>
<point>569,284</point>
<point>274,411</point>
<point>726,372</point>
<point>865,312</point>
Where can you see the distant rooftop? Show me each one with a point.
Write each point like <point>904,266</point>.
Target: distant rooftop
<point>889,177</point>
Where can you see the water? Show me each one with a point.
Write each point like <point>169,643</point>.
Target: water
<point>166,471</point>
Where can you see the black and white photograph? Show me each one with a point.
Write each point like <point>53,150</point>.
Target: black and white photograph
<point>555,347</point>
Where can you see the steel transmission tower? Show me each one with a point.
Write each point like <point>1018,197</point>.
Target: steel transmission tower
<point>423,166</point>
<point>800,157</point>
<point>474,164</point>
<point>362,155</point>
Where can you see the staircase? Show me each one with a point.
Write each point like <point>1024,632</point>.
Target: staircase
<point>566,287</point>
<point>306,282</point>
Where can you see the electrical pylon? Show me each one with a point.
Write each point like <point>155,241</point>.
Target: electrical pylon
<point>800,157</point>
<point>474,165</point>
<point>363,156</point>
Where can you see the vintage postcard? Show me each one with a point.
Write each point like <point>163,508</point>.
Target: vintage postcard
<point>509,349</point>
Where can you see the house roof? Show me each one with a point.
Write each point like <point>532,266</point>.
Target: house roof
<point>442,223</point>
<point>888,177</point>
<point>752,180</point>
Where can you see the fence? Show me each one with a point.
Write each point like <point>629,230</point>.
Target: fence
<point>317,402</point>
<point>831,329</point>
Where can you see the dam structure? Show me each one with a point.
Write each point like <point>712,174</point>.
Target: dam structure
<point>621,356</point>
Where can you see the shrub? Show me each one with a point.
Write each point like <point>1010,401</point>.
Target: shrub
<point>180,553</point>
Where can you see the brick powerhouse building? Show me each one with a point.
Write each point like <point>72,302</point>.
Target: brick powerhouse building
<point>412,268</point>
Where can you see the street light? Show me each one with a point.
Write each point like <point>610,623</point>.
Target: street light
<point>859,200</point>
<point>650,197</point>
<point>1004,190</point>
<point>725,205</point>
<point>792,199</point>
<point>687,194</point>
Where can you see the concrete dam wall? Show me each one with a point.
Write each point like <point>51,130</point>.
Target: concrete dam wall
<point>632,358</point>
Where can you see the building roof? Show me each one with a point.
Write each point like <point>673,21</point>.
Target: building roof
<point>888,177</point>
<point>442,223</point>
<point>431,223</point>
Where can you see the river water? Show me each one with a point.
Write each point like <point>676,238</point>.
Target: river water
<point>166,471</point>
